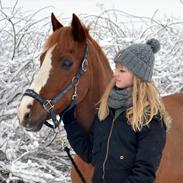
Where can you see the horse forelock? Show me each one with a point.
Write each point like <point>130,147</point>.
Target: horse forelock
<point>54,38</point>
<point>62,37</point>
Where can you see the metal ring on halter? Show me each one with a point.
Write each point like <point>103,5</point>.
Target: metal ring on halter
<point>48,106</point>
<point>74,96</point>
<point>75,80</point>
<point>85,65</point>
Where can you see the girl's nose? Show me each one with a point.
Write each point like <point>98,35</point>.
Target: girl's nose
<point>115,73</point>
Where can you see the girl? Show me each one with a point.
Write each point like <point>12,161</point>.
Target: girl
<point>128,135</point>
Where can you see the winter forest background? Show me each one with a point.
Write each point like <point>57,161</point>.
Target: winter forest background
<point>33,157</point>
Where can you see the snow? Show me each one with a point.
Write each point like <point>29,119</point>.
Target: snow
<point>30,156</point>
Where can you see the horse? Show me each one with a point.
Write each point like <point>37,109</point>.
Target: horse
<point>171,165</point>
<point>65,51</point>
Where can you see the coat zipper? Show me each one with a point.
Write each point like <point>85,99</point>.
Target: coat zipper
<point>106,156</point>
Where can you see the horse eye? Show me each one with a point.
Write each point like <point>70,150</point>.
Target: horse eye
<point>66,64</point>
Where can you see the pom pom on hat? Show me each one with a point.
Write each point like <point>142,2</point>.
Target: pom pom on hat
<point>154,44</point>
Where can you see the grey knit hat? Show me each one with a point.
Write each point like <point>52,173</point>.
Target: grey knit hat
<point>139,58</point>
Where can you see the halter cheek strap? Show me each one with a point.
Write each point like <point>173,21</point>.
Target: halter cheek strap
<point>48,105</point>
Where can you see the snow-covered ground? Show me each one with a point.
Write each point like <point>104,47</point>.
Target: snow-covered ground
<point>26,156</point>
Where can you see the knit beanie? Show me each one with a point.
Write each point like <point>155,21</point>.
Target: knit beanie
<point>139,58</point>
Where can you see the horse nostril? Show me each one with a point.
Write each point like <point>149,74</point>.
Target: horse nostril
<point>29,106</point>
<point>27,116</point>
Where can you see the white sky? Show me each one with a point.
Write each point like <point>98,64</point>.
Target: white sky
<point>135,7</point>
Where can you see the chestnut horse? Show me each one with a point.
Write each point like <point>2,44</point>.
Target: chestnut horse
<point>171,166</point>
<point>62,57</point>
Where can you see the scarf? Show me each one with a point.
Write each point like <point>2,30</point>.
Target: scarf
<point>120,97</point>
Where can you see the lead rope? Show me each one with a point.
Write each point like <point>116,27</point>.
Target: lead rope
<point>67,150</point>
<point>74,164</point>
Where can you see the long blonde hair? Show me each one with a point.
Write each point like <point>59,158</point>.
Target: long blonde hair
<point>146,104</point>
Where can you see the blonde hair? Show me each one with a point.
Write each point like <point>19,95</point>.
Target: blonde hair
<point>146,104</point>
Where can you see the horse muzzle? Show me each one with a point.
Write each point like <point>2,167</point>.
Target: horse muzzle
<point>31,121</point>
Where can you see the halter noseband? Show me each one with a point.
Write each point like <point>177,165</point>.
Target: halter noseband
<point>48,105</point>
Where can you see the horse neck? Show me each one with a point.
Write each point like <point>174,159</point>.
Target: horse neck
<point>100,75</point>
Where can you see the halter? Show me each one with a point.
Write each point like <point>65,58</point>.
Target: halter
<point>49,105</point>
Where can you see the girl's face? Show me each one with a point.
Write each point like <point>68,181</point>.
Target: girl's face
<point>123,76</point>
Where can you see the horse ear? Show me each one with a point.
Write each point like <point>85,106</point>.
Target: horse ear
<point>55,23</point>
<point>78,30</point>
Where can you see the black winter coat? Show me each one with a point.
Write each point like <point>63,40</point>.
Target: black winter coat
<point>118,154</point>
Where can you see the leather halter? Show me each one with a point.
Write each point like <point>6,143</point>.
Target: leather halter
<point>48,105</point>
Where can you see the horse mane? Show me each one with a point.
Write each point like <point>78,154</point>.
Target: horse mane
<point>100,52</point>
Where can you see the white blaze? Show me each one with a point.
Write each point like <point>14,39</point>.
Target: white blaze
<point>38,83</point>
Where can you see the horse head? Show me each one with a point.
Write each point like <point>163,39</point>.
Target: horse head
<point>67,51</point>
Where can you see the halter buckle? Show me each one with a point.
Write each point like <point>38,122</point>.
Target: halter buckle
<point>48,106</point>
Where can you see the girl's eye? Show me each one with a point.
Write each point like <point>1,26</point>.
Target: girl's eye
<point>66,64</point>
<point>121,70</point>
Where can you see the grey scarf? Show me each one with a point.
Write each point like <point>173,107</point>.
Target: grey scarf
<point>120,98</point>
